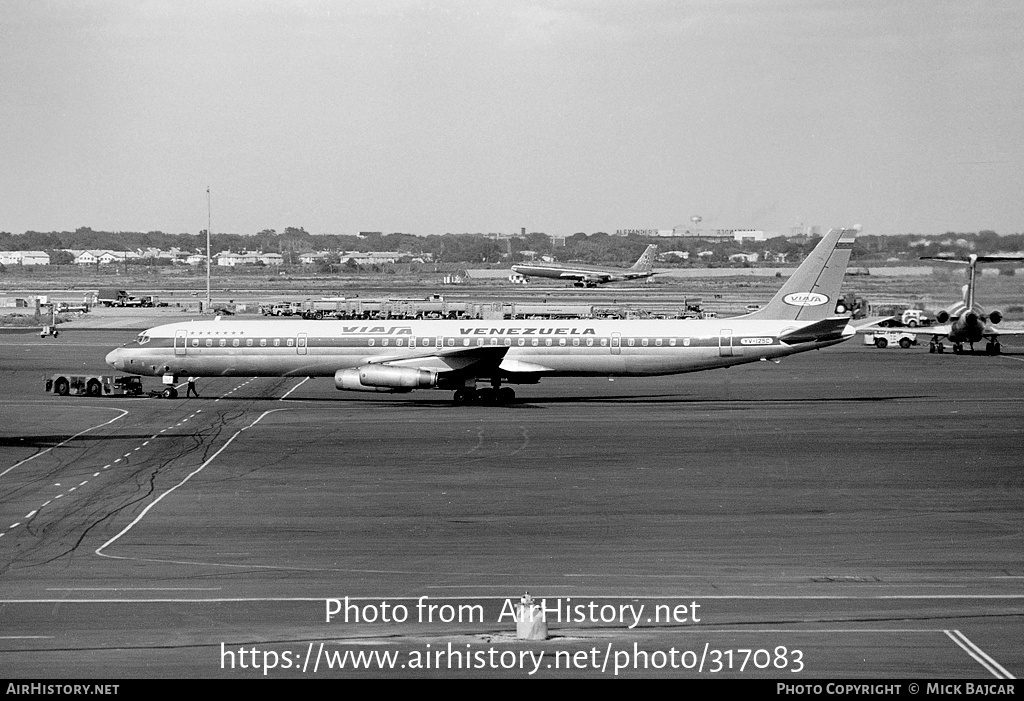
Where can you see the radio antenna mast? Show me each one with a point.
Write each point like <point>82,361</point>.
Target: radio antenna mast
<point>209,306</point>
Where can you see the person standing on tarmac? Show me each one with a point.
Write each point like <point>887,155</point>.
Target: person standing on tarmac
<point>191,388</point>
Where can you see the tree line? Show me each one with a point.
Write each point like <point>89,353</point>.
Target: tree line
<point>470,249</point>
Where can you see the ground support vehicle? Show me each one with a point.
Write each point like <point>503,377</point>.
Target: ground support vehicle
<point>66,384</point>
<point>881,339</point>
<point>111,297</point>
<point>914,318</point>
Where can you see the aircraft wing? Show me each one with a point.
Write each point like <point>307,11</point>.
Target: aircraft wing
<point>937,330</point>
<point>443,359</point>
<point>482,360</point>
<point>995,331</point>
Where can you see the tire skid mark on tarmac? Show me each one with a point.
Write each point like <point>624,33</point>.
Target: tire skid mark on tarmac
<point>207,461</point>
<point>137,483</point>
<point>62,465</point>
<point>147,483</point>
<point>93,510</point>
<point>124,412</point>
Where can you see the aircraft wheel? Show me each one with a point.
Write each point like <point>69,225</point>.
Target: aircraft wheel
<point>996,348</point>
<point>485,396</point>
<point>958,348</point>
<point>940,348</point>
<point>464,396</point>
<point>506,395</point>
<point>94,389</point>
<point>61,387</point>
<point>169,393</point>
<point>931,347</point>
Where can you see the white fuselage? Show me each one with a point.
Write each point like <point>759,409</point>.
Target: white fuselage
<point>578,347</point>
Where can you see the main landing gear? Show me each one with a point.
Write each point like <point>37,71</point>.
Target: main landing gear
<point>993,347</point>
<point>485,395</point>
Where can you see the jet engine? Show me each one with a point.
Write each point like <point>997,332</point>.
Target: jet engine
<point>995,316</point>
<point>942,317</point>
<point>384,378</point>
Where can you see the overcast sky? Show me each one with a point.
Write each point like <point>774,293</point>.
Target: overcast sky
<point>435,117</point>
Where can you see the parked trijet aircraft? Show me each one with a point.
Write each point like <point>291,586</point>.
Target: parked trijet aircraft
<point>399,356</point>
<point>967,321</point>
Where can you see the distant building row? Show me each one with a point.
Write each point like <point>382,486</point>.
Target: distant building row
<point>225,258</point>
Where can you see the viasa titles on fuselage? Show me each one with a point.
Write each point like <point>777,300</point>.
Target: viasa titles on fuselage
<point>460,355</point>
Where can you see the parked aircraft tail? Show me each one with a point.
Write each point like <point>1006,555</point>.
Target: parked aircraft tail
<point>645,263</point>
<point>971,262</point>
<point>811,292</point>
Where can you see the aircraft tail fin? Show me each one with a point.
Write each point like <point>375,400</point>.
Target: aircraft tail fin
<point>811,292</point>
<point>971,262</point>
<point>645,263</point>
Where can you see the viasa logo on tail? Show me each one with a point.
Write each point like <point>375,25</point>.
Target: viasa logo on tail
<point>805,299</point>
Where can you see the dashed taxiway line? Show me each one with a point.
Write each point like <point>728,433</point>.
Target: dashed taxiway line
<point>70,491</point>
<point>124,412</point>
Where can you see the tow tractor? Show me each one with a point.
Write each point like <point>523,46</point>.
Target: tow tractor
<point>66,384</point>
<point>884,339</point>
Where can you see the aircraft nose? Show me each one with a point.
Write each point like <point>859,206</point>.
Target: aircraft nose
<point>115,360</point>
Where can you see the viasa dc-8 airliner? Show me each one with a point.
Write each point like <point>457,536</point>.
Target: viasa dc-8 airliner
<point>399,356</point>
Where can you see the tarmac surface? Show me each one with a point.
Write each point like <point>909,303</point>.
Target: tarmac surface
<point>846,514</point>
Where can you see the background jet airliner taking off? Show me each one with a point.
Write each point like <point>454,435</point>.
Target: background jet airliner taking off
<point>590,275</point>
<point>392,356</point>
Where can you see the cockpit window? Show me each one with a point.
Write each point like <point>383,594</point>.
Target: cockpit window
<point>142,340</point>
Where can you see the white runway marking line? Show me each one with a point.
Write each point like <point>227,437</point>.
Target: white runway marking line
<point>99,550</point>
<point>994,668</point>
<point>133,588</point>
<point>124,413</point>
<point>291,390</point>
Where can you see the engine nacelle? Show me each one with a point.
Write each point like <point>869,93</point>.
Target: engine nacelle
<point>995,316</point>
<point>942,317</point>
<point>384,378</point>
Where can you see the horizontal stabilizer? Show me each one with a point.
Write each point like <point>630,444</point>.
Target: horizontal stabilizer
<point>824,330</point>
